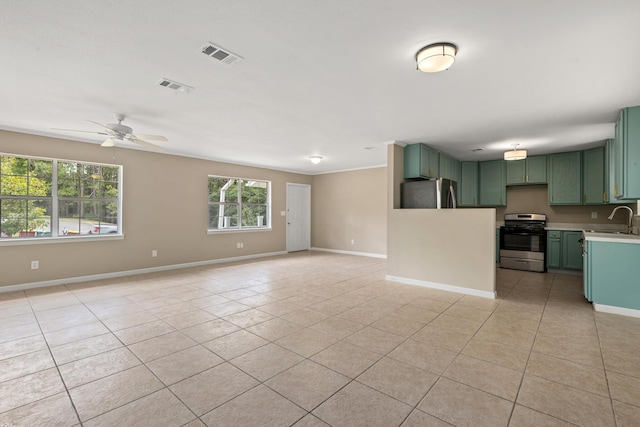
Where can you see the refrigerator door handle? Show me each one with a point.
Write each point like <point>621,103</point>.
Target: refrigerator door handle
<point>452,193</point>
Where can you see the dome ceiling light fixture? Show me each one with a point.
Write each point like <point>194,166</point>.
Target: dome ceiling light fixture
<point>515,154</point>
<point>436,57</point>
<point>315,159</point>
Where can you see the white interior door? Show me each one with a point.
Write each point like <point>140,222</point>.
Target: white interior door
<point>298,217</point>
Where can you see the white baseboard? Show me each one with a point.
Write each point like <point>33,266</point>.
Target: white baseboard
<point>443,287</point>
<point>338,251</point>
<point>616,310</point>
<point>115,274</point>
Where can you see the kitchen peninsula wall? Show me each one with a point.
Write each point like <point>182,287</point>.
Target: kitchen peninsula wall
<point>451,249</point>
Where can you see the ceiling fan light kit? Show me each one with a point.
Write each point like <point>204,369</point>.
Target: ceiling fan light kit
<point>436,57</point>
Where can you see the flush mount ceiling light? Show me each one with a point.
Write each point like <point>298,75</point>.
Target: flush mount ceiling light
<point>436,57</point>
<point>515,154</point>
<point>315,159</point>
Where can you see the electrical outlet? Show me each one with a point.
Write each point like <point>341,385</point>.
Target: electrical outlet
<point>594,215</point>
<point>353,241</point>
<point>283,213</point>
<point>154,253</point>
<point>35,265</point>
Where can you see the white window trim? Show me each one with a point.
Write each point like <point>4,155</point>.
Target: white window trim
<point>54,209</point>
<point>241,229</point>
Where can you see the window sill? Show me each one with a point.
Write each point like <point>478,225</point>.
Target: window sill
<point>65,239</point>
<point>237,230</point>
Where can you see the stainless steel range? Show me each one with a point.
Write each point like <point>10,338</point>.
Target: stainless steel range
<point>522,242</point>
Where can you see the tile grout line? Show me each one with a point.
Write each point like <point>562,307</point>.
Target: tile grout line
<point>55,362</point>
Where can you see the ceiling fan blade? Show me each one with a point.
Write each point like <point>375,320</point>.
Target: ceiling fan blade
<point>109,142</point>
<point>146,144</point>
<point>109,131</point>
<point>150,137</point>
<point>77,130</point>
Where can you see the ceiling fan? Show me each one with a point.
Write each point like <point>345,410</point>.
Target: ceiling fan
<point>117,132</point>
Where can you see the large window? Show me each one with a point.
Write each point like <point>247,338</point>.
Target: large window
<point>58,198</point>
<point>238,203</point>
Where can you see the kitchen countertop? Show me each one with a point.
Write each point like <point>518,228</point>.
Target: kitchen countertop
<point>612,238</point>
<point>564,226</point>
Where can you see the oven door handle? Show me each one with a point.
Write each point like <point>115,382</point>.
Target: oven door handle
<point>524,234</point>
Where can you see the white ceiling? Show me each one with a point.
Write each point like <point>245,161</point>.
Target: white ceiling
<point>324,77</point>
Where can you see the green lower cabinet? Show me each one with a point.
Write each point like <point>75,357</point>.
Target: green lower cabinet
<point>586,272</point>
<point>572,250</point>
<point>613,271</point>
<point>554,249</point>
<point>564,249</point>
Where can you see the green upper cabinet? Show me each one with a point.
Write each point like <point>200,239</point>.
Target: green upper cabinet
<point>532,170</point>
<point>537,170</point>
<point>468,185</point>
<point>628,155</point>
<point>449,167</point>
<point>493,176</point>
<point>610,186</point>
<point>565,178</point>
<point>420,161</point>
<point>593,176</point>
<point>516,172</point>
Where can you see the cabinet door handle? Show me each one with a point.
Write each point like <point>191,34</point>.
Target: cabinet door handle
<point>604,196</point>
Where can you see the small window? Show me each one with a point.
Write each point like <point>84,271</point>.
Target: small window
<point>238,203</point>
<point>57,198</point>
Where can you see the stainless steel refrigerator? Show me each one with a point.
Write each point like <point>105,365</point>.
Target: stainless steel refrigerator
<point>438,193</point>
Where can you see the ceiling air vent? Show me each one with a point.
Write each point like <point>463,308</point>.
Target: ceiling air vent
<point>174,85</point>
<point>220,54</point>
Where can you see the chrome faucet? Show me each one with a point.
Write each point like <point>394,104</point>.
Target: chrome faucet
<point>629,228</point>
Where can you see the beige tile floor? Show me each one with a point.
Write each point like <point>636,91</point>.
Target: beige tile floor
<point>313,339</point>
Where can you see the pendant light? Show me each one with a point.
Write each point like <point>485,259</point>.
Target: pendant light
<point>515,154</point>
<point>436,57</point>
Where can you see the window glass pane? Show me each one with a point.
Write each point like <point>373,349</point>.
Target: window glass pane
<point>109,189</point>
<point>25,218</point>
<point>40,173</point>
<point>223,216</point>
<point>254,215</point>
<point>68,182</point>
<point>39,217</point>
<point>254,191</point>
<point>13,185</point>
<point>223,190</point>
<point>69,219</point>
<point>13,217</point>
